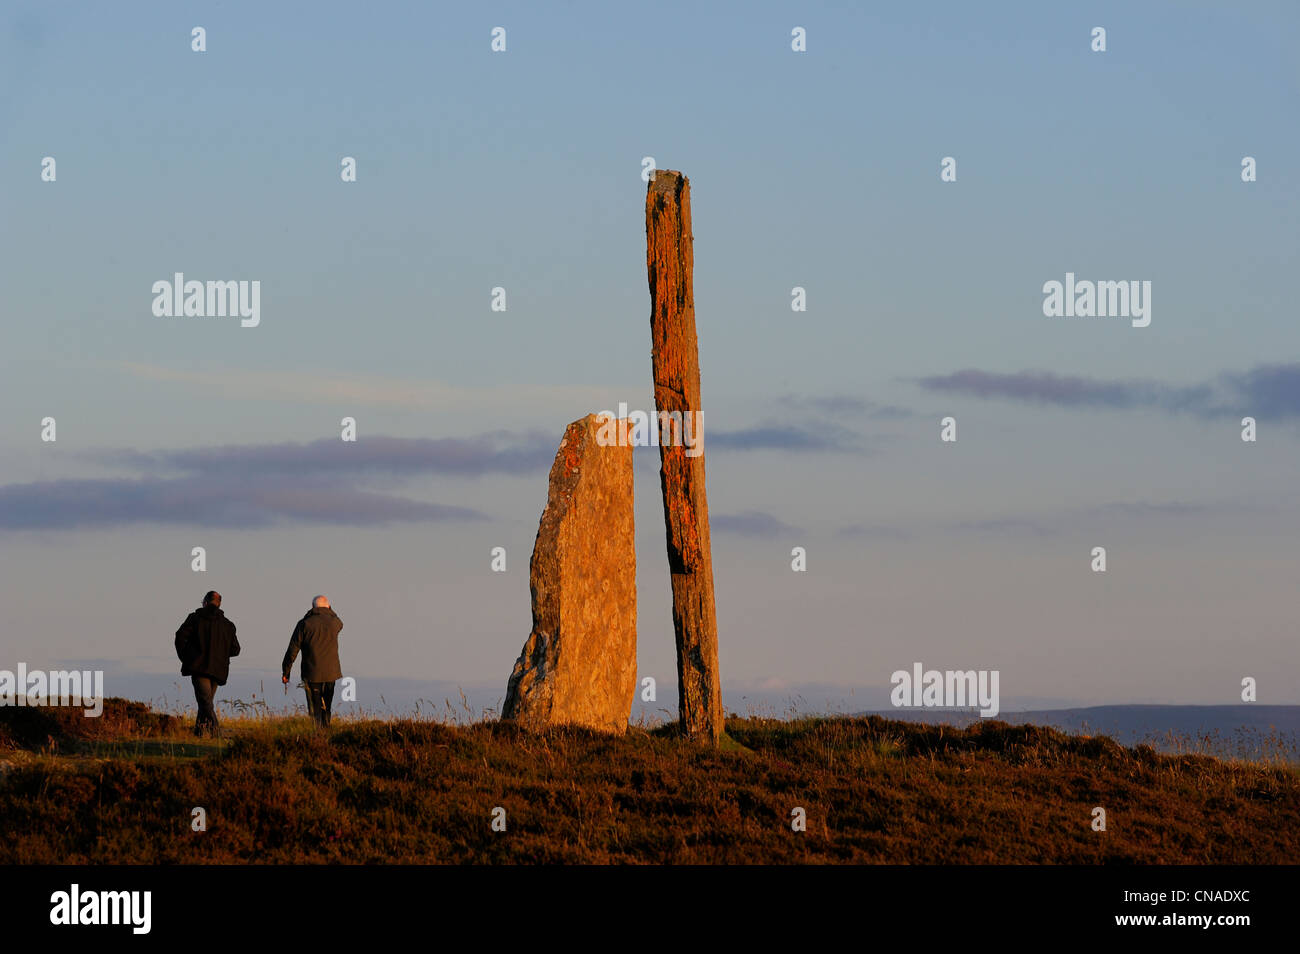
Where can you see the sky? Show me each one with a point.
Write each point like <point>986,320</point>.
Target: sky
<point>522,169</point>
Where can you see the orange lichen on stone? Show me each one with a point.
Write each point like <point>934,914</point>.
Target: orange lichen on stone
<point>578,664</point>
<point>675,363</point>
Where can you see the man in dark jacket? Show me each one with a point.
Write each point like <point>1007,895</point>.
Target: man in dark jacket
<point>317,635</point>
<point>204,643</point>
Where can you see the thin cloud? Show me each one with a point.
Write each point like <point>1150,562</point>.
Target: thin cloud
<point>498,453</point>
<point>1045,387</point>
<point>1267,391</point>
<point>310,387</point>
<point>207,502</point>
<point>750,523</point>
<point>786,437</point>
<point>1126,512</point>
<point>828,403</point>
<point>845,404</point>
<point>261,485</point>
<point>1141,508</point>
<point>859,531</point>
<point>1016,526</point>
<point>889,412</point>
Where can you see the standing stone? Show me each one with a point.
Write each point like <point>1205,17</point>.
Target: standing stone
<point>670,259</point>
<point>579,663</point>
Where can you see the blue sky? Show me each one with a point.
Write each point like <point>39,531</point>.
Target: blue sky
<point>522,169</point>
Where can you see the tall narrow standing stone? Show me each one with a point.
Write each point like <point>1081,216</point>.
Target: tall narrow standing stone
<point>578,665</point>
<point>675,351</point>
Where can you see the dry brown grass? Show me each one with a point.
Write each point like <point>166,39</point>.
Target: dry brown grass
<point>406,791</point>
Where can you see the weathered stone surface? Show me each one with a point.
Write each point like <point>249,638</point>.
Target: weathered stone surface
<point>578,665</point>
<point>670,259</point>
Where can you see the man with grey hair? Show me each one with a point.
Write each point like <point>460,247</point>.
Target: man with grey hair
<point>317,636</point>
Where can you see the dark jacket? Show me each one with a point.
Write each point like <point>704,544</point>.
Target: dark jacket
<point>204,644</point>
<point>317,635</point>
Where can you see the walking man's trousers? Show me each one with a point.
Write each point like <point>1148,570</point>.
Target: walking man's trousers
<point>320,699</point>
<point>205,689</point>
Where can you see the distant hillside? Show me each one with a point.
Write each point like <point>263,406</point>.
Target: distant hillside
<point>1241,731</point>
<point>121,789</point>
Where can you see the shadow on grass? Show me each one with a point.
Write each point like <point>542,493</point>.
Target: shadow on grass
<point>152,748</point>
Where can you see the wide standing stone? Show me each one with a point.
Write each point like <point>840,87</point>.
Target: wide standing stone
<point>579,663</point>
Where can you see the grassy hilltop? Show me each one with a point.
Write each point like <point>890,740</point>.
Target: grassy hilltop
<point>121,789</point>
